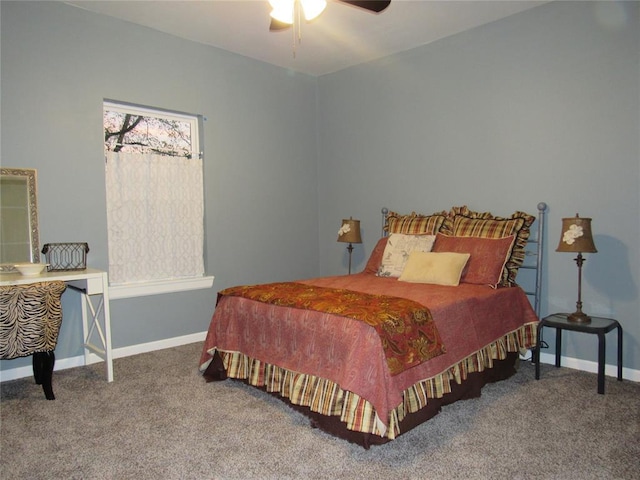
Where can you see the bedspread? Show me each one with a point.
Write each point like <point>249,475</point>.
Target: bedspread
<point>407,332</point>
<point>468,317</point>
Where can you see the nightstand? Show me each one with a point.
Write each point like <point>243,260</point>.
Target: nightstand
<point>599,326</point>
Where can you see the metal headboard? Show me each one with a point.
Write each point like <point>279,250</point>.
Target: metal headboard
<point>535,248</point>
<point>536,241</point>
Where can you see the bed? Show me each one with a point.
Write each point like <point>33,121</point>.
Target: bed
<point>435,315</point>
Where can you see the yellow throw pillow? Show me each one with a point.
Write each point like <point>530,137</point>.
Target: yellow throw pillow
<point>397,251</point>
<point>439,268</point>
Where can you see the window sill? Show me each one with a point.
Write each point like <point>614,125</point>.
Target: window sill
<point>157,288</point>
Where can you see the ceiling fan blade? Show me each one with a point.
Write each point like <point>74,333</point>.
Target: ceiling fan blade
<point>371,5</point>
<point>276,26</point>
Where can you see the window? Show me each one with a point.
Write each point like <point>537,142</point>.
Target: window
<point>155,199</point>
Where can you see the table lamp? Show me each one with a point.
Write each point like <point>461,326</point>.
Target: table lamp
<point>350,233</point>
<point>577,238</point>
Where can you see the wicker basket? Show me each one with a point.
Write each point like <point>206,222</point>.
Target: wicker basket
<point>66,256</point>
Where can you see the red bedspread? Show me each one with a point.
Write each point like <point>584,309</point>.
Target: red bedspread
<point>347,352</point>
<point>407,331</point>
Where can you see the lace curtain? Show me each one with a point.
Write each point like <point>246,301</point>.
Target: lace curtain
<point>155,217</point>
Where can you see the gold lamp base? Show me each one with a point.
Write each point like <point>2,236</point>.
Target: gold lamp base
<point>579,317</point>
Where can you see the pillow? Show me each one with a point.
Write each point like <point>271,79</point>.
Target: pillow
<point>488,256</point>
<point>397,250</point>
<point>375,259</point>
<point>463,222</point>
<point>414,224</point>
<point>439,268</point>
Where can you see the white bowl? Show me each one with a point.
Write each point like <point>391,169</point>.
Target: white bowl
<point>30,269</point>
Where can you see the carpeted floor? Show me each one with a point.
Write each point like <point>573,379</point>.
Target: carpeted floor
<point>160,420</point>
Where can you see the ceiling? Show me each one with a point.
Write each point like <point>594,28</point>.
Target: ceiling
<point>341,37</point>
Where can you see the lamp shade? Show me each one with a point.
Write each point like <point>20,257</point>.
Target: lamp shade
<point>312,8</point>
<point>576,236</point>
<point>350,231</point>
<point>284,10</point>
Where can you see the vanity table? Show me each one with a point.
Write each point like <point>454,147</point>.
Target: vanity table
<point>96,321</point>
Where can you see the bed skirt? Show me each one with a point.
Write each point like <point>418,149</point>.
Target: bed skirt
<point>469,388</point>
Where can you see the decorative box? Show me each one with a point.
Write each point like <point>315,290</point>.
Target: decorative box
<point>66,256</point>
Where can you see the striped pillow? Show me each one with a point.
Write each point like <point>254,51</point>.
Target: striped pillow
<point>463,222</point>
<point>415,224</point>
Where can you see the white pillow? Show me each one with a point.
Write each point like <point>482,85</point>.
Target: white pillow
<point>399,247</point>
<point>439,268</point>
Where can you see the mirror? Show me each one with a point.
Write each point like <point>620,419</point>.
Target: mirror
<point>19,235</point>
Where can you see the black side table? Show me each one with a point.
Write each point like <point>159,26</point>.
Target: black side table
<point>599,326</point>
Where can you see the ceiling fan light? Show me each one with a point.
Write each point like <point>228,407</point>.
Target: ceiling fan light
<point>312,8</point>
<point>282,10</point>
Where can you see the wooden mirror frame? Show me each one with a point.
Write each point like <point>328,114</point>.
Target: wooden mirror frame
<point>29,174</point>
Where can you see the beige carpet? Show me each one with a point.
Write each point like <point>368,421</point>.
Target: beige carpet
<point>160,420</point>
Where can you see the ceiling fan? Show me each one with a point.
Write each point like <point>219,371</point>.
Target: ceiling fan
<point>286,13</point>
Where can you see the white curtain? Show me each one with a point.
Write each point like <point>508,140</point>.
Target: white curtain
<point>155,217</point>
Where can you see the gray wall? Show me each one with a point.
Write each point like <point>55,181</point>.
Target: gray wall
<point>60,62</point>
<point>541,106</point>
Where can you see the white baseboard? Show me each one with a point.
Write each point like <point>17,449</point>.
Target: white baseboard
<point>62,364</point>
<point>589,366</point>
<point>72,362</point>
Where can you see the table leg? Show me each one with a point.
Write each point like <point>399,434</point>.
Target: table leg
<point>558,345</point>
<point>619,328</point>
<point>107,327</point>
<point>537,350</point>
<point>97,328</point>
<point>601,355</point>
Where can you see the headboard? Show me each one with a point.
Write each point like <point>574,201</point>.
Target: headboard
<point>535,249</point>
<point>533,254</point>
